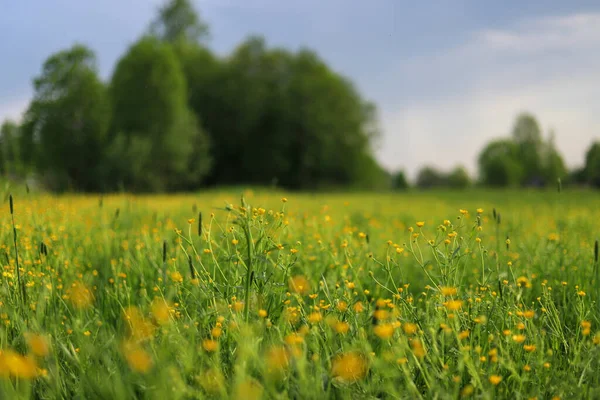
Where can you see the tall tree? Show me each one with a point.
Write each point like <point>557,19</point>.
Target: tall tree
<point>499,164</point>
<point>152,121</point>
<point>592,164</point>
<point>10,154</point>
<point>177,20</point>
<point>527,135</point>
<point>552,162</point>
<point>68,119</point>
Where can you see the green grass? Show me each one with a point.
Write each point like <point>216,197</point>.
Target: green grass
<point>322,296</point>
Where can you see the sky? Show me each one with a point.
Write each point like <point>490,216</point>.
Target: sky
<point>447,75</point>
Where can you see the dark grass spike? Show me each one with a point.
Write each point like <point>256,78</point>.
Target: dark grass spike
<point>596,251</point>
<point>559,185</point>
<point>191,264</point>
<point>164,254</point>
<point>200,224</point>
<point>367,238</point>
<point>494,214</point>
<point>19,282</point>
<point>499,219</point>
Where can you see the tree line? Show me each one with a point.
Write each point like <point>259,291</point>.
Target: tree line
<point>523,159</point>
<point>175,116</point>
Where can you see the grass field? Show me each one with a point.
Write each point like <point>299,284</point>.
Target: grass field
<point>280,295</point>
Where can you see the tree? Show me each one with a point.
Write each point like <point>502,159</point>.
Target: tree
<point>65,126</point>
<point>459,178</point>
<point>430,177</point>
<point>592,164</point>
<point>10,155</point>
<point>552,162</point>
<point>153,122</point>
<point>527,135</point>
<point>177,21</point>
<point>499,164</point>
<point>399,181</point>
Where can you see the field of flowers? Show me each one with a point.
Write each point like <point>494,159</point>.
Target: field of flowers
<point>280,295</point>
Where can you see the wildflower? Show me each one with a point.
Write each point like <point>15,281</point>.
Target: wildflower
<point>420,224</point>
<point>349,367</point>
<point>341,327</point>
<point>495,379</point>
<point>315,318</point>
<point>453,305</point>
<point>410,328</point>
<point>80,296</point>
<point>384,331</point>
<point>529,348</point>
<point>417,348</point>
<point>262,313</point>
<point>299,284</point>
<point>448,291</point>
<point>160,311</point>
<point>17,365</point>
<point>464,334</point>
<point>176,277</point>
<point>137,358</point>
<point>519,338</point>
<point>210,345</point>
<point>277,360</point>
<point>38,344</point>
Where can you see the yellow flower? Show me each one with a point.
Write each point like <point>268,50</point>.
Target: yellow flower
<point>299,284</point>
<point>448,291</point>
<point>80,296</point>
<point>18,366</point>
<point>210,345</point>
<point>417,348</point>
<point>160,311</point>
<point>410,328</point>
<point>349,367</point>
<point>277,359</point>
<point>315,318</point>
<point>38,344</point>
<point>420,224</point>
<point>384,331</point>
<point>137,358</point>
<point>262,313</point>
<point>341,327</point>
<point>453,305</point>
<point>495,379</point>
<point>519,338</point>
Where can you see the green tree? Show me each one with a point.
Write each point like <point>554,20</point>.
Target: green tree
<point>65,126</point>
<point>458,178</point>
<point>153,123</point>
<point>430,177</point>
<point>399,181</point>
<point>527,135</point>
<point>499,164</point>
<point>10,155</point>
<point>552,162</point>
<point>177,20</point>
<point>592,164</point>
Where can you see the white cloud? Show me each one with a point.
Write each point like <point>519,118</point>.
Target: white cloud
<point>472,93</point>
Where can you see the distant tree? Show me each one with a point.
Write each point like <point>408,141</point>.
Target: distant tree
<point>592,164</point>
<point>552,162</point>
<point>399,181</point>
<point>527,135</point>
<point>430,177</point>
<point>10,154</point>
<point>499,164</point>
<point>65,126</point>
<point>152,122</point>
<point>177,20</point>
<point>458,178</point>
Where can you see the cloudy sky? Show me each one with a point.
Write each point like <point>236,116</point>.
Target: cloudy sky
<point>447,76</point>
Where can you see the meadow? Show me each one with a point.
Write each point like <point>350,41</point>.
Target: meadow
<point>272,295</point>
